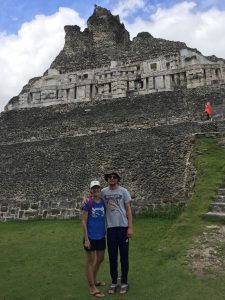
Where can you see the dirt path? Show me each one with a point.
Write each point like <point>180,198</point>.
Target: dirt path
<point>207,254</point>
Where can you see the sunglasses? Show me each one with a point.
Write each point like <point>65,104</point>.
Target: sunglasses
<point>112,177</point>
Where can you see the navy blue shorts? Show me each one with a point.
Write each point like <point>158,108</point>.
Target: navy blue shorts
<point>96,245</point>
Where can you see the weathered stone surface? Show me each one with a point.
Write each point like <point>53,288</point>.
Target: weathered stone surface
<point>148,139</point>
<point>101,63</point>
<point>115,104</point>
<point>4,208</point>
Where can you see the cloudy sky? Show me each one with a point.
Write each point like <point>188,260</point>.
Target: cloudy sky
<point>32,34</point>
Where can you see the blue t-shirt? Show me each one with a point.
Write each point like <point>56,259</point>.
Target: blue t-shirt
<point>96,219</point>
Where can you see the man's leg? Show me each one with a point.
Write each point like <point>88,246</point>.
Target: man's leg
<point>112,244</point>
<point>124,251</point>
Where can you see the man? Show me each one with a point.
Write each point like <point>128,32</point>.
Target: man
<point>119,229</point>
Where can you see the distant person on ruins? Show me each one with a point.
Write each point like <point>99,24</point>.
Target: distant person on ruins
<point>93,223</point>
<point>208,111</point>
<point>119,229</point>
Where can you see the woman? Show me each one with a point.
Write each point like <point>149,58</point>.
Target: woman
<point>208,111</point>
<point>93,223</point>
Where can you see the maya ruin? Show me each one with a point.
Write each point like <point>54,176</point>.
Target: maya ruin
<point>107,102</point>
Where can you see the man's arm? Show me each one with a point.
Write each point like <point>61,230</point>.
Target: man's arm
<point>130,219</point>
<point>84,198</point>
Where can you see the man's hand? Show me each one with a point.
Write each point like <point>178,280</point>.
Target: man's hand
<point>129,232</point>
<point>84,198</point>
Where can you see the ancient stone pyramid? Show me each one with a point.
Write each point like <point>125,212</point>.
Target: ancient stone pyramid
<point>106,102</point>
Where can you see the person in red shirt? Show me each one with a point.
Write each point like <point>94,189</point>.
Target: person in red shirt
<point>208,111</point>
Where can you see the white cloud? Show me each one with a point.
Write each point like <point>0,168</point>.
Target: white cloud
<point>31,51</point>
<point>204,30</point>
<point>124,8</point>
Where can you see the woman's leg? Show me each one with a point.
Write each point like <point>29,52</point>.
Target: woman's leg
<point>99,257</point>
<point>89,268</point>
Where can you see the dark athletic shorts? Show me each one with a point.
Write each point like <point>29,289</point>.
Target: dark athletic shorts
<point>96,245</point>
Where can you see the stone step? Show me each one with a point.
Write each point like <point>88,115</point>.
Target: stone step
<point>217,207</point>
<point>221,126</point>
<point>220,198</point>
<point>219,215</point>
<point>221,191</point>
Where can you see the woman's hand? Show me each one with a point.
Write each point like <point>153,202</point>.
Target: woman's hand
<point>87,244</point>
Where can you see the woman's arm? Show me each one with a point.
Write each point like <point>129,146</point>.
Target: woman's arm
<point>84,226</point>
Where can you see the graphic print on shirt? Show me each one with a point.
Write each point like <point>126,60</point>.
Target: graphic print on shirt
<point>112,201</point>
<point>98,212</point>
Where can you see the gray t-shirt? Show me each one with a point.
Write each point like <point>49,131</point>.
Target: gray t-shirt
<point>115,206</point>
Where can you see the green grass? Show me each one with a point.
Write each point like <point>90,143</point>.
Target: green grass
<point>45,259</point>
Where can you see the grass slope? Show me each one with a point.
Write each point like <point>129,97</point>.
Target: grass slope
<point>45,259</point>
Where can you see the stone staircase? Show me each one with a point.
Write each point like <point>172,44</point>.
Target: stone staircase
<point>220,125</point>
<point>217,209</point>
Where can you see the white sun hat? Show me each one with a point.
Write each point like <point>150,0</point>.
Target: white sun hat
<point>94,183</point>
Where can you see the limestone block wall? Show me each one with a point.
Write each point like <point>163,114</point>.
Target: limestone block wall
<point>145,77</point>
<point>45,179</point>
<point>88,117</point>
<point>49,155</point>
<point>117,81</point>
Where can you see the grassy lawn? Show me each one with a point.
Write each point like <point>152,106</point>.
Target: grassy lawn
<point>45,259</point>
